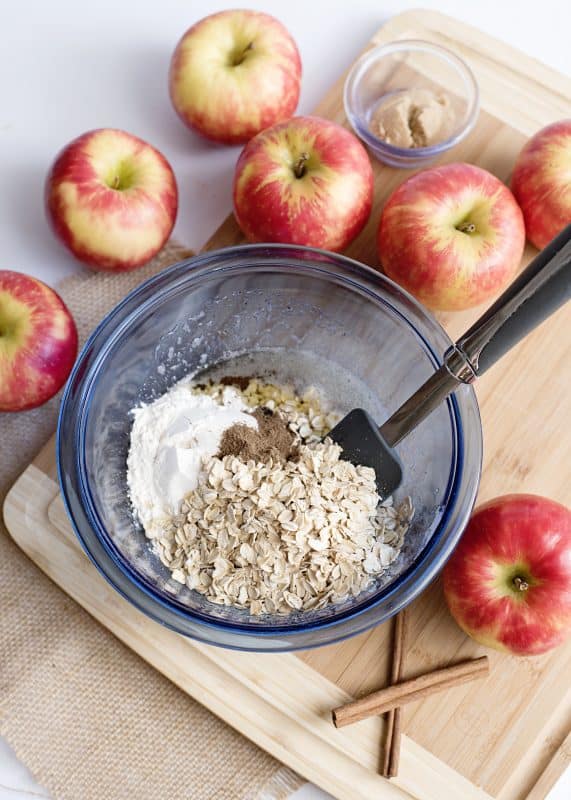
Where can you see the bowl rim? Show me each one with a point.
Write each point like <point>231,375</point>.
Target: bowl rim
<point>406,153</point>
<point>157,601</point>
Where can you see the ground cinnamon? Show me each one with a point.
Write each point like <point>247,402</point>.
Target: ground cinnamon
<point>239,381</point>
<point>273,439</point>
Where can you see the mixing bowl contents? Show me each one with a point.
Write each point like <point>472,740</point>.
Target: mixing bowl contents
<point>247,504</point>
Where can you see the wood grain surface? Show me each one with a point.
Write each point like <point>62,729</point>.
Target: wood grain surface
<point>505,737</point>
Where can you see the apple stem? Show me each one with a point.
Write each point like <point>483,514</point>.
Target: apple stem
<point>299,165</point>
<point>116,182</point>
<point>520,583</point>
<point>467,227</point>
<point>238,60</point>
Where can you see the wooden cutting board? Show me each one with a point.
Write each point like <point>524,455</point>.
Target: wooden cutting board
<point>506,737</point>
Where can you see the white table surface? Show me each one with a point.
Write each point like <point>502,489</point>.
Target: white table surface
<point>68,66</point>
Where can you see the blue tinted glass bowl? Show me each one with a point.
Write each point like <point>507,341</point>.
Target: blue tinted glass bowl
<point>240,300</point>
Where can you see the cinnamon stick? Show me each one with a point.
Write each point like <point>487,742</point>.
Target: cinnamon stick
<point>409,691</point>
<point>392,741</point>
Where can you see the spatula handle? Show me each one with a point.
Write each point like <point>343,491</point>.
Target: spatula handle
<point>538,292</point>
<point>541,289</point>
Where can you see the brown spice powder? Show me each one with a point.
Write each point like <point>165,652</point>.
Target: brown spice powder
<point>273,439</point>
<point>240,381</point>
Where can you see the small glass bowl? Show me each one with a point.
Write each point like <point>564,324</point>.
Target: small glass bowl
<point>400,66</point>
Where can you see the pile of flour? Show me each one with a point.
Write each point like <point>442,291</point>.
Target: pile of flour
<point>170,439</point>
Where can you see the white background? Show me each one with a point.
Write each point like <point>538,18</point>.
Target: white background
<point>67,66</point>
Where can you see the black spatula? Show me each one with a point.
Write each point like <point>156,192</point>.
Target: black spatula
<point>538,292</point>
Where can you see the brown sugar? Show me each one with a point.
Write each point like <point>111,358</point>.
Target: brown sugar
<point>272,440</point>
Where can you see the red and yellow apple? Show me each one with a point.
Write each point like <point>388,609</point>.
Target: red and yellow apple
<point>233,74</point>
<point>541,182</point>
<point>38,342</point>
<point>508,583</point>
<point>453,236</point>
<point>112,199</point>
<point>307,181</point>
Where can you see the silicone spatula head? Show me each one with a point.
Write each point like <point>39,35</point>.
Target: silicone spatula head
<point>360,438</point>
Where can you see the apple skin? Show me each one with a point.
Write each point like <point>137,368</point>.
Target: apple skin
<point>112,199</point>
<point>516,535</point>
<point>38,342</point>
<point>326,207</point>
<point>422,248</point>
<point>541,182</point>
<point>233,74</point>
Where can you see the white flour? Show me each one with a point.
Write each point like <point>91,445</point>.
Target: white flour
<point>169,440</point>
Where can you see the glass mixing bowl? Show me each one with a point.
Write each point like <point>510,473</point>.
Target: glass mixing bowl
<point>249,299</point>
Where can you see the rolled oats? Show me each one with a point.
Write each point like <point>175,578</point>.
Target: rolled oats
<point>261,553</point>
<point>273,538</point>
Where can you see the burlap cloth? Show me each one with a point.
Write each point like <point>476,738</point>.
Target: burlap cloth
<point>90,718</point>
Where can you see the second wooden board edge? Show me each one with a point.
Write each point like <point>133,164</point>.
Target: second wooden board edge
<point>284,709</point>
<point>486,44</point>
<point>495,61</point>
<point>559,762</point>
